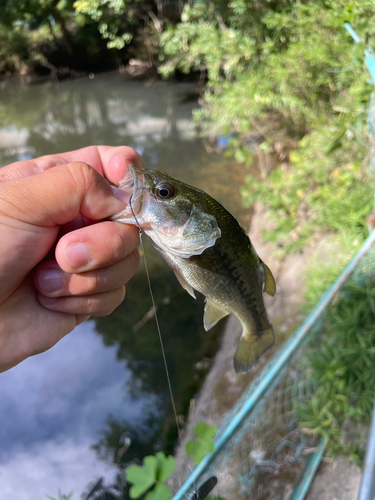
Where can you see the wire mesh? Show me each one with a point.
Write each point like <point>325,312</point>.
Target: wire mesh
<point>269,453</point>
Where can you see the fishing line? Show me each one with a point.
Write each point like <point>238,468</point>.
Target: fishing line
<point>156,318</point>
<point>206,488</point>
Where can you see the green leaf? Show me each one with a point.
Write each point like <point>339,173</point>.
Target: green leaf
<point>240,155</point>
<point>191,447</point>
<point>142,477</point>
<point>198,447</point>
<point>160,492</point>
<point>60,495</point>
<point>165,466</point>
<point>295,157</point>
<point>204,431</point>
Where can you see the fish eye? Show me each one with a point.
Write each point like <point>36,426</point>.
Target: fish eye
<point>164,191</point>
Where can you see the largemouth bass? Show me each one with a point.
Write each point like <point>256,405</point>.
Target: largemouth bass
<point>208,251</point>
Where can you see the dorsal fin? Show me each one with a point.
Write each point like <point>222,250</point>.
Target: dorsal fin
<point>212,314</point>
<point>269,281</point>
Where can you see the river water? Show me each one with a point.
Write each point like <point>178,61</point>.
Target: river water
<point>67,416</point>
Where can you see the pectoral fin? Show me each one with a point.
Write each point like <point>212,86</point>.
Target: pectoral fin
<point>250,348</point>
<point>184,283</point>
<point>270,284</point>
<point>212,314</point>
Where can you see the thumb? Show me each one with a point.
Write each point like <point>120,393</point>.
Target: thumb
<point>58,195</point>
<point>33,208</point>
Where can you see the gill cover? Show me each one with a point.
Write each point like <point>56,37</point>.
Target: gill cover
<point>200,231</point>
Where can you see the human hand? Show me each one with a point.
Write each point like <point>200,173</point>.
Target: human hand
<point>57,266</point>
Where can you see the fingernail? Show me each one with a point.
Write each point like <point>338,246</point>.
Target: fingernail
<point>51,280</point>
<point>77,255</point>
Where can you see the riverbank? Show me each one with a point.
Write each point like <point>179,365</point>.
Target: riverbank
<point>336,479</point>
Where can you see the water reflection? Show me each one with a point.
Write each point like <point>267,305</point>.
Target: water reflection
<point>63,410</point>
<point>155,120</point>
<point>66,116</point>
<point>52,408</point>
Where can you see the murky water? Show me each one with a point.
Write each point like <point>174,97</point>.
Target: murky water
<point>65,414</point>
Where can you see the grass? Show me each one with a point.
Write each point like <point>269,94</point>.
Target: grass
<point>341,363</point>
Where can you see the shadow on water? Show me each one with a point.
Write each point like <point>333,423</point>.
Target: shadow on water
<point>48,118</point>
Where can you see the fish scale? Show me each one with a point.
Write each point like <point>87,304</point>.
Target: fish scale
<point>208,251</point>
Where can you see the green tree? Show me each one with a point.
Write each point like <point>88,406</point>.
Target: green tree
<point>136,22</point>
<point>33,14</point>
<point>38,34</point>
<point>283,75</point>
<point>274,69</point>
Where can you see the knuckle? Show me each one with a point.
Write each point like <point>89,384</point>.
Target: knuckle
<point>81,173</point>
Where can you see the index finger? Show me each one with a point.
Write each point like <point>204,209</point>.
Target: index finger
<point>111,162</point>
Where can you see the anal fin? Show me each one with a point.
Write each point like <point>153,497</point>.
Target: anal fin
<point>212,314</point>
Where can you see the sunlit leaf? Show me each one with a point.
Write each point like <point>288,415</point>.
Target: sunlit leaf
<point>165,466</point>
<point>142,477</point>
<point>160,492</point>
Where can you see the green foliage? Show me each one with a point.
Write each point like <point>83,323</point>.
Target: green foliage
<point>114,18</point>
<point>61,496</point>
<point>31,29</point>
<point>13,50</point>
<point>48,33</point>
<point>316,193</point>
<point>122,22</point>
<point>282,75</point>
<point>198,447</point>
<point>263,76</point>
<point>341,364</point>
<point>155,469</point>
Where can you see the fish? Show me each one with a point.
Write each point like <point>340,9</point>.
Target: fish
<point>209,252</point>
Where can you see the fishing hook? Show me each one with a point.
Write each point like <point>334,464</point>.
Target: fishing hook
<point>132,211</point>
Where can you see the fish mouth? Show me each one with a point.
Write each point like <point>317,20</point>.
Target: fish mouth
<point>131,189</point>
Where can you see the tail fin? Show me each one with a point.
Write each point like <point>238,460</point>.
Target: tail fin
<point>250,348</point>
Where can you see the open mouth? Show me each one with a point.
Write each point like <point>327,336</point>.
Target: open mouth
<point>131,192</point>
